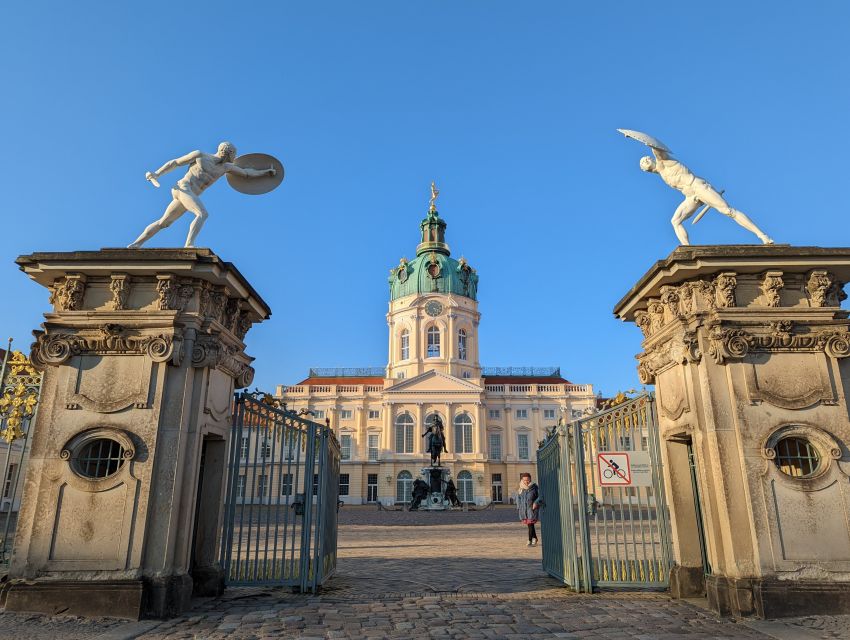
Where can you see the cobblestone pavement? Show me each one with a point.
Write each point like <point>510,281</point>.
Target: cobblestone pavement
<point>447,578</point>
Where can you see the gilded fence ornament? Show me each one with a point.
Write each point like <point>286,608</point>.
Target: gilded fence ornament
<point>18,395</point>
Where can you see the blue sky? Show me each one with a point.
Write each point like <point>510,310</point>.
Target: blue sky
<point>511,107</point>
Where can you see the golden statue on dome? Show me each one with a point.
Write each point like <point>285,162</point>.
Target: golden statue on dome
<point>435,192</point>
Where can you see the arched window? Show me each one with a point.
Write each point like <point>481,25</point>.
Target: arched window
<point>464,487</point>
<point>404,433</point>
<point>461,344</point>
<point>405,345</point>
<point>463,434</point>
<point>403,487</point>
<point>433,342</point>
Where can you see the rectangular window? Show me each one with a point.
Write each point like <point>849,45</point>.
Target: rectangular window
<point>625,443</point>
<point>345,414</point>
<point>467,374</point>
<point>548,414</point>
<point>266,451</point>
<point>315,484</point>
<point>286,484</point>
<point>644,443</point>
<point>7,485</point>
<point>495,444</point>
<point>372,440</point>
<point>240,486</point>
<point>522,414</point>
<point>496,485</point>
<point>372,487</point>
<point>405,345</point>
<point>318,414</point>
<point>374,414</point>
<point>522,446</point>
<point>345,447</point>
<point>243,448</point>
<point>343,484</point>
<point>261,486</point>
<point>399,375</point>
<point>433,343</point>
<point>495,414</point>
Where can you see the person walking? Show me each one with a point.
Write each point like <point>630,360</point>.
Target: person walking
<point>527,504</point>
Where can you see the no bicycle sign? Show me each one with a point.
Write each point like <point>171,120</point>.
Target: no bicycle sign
<point>614,469</point>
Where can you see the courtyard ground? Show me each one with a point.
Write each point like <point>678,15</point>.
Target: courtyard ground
<point>431,575</point>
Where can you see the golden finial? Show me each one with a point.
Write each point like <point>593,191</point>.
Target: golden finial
<point>434,193</point>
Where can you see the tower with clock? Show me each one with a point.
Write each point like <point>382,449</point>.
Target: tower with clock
<point>433,314</point>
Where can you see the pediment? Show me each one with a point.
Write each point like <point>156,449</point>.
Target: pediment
<point>434,382</point>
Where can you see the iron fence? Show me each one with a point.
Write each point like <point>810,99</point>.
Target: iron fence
<point>605,520</point>
<point>283,488</point>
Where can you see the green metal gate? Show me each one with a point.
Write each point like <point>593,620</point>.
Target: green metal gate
<point>281,507</point>
<point>605,521</point>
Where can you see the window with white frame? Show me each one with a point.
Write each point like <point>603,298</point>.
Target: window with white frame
<point>318,414</point>
<point>399,375</point>
<point>240,486</point>
<point>522,446</point>
<point>466,374</point>
<point>345,446</point>
<point>403,487</point>
<point>522,414</point>
<point>548,414</point>
<point>345,414</point>
<point>433,342</point>
<point>344,480</point>
<point>461,344</point>
<point>465,487</point>
<point>463,433</point>
<point>374,414</point>
<point>494,443</point>
<point>286,484</point>
<point>7,484</point>
<point>261,486</point>
<point>244,448</point>
<point>494,414</point>
<point>266,451</point>
<point>404,433</point>
<point>405,345</point>
<point>372,441</point>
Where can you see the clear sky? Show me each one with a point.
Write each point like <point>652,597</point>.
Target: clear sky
<point>510,106</point>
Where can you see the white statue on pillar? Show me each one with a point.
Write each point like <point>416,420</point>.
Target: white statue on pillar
<point>205,169</point>
<point>695,189</point>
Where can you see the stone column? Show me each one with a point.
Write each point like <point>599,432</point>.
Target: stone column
<point>141,354</point>
<point>747,347</point>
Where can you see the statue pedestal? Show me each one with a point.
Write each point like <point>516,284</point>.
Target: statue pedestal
<point>747,347</point>
<point>125,482</point>
<point>435,478</point>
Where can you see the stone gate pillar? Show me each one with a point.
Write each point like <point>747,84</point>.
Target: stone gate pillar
<point>747,347</point>
<point>124,487</point>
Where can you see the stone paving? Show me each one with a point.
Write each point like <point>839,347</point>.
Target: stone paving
<point>427,575</point>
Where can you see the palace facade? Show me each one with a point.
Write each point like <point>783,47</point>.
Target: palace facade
<point>494,417</point>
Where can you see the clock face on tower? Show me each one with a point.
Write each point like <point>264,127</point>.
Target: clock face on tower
<point>433,308</point>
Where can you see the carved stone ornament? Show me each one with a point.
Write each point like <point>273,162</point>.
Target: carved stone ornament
<point>119,285</point>
<point>663,356</point>
<point>210,351</point>
<point>824,290</point>
<point>725,343</point>
<point>111,339</point>
<point>174,295</point>
<point>724,289</point>
<point>770,288</point>
<point>213,301</point>
<point>67,293</point>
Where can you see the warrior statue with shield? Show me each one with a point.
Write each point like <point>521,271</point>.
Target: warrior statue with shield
<point>696,190</point>
<point>435,440</point>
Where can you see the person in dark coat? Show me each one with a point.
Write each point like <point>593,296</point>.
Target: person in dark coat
<point>528,506</point>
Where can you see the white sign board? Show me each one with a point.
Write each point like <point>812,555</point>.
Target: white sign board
<point>624,469</point>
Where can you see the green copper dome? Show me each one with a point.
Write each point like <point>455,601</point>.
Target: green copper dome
<point>433,270</point>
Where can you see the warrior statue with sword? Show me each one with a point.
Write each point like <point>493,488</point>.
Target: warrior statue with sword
<point>696,190</point>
